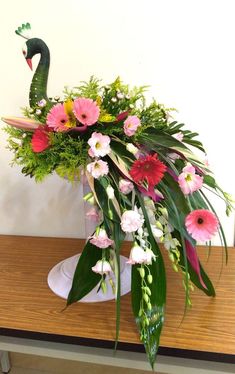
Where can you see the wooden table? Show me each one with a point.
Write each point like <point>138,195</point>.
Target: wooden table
<point>28,309</point>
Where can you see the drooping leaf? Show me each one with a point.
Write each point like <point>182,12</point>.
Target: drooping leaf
<point>85,279</point>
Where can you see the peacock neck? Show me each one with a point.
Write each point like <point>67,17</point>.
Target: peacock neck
<point>38,88</point>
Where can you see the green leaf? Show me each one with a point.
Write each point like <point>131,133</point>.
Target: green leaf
<point>150,334</point>
<point>177,194</point>
<point>85,279</point>
<point>209,180</point>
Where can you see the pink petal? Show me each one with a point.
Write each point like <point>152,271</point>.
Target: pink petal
<point>193,260</point>
<point>22,123</point>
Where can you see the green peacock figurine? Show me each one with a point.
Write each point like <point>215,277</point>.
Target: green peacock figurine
<point>38,88</point>
<point>33,46</point>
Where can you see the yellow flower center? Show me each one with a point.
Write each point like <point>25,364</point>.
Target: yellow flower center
<point>98,145</point>
<point>188,178</point>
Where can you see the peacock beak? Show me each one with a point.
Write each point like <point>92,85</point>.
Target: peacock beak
<point>29,62</point>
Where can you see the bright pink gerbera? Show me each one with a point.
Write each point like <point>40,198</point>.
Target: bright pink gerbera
<point>202,224</point>
<point>57,118</point>
<point>40,139</point>
<point>86,111</point>
<point>148,169</point>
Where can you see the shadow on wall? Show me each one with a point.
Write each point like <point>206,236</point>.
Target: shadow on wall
<point>51,208</point>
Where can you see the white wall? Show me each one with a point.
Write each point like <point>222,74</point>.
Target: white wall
<point>183,49</point>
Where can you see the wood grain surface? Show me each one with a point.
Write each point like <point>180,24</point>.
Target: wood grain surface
<point>26,302</point>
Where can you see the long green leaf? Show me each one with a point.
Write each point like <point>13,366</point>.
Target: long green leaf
<point>157,298</point>
<point>85,279</point>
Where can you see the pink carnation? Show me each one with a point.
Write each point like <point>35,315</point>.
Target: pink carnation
<point>131,221</point>
<point>125,186</point>
<point>57,118</point>
<point>100,239</point>
<point>93,214</point>
<point>131,124</point>
<point>98,168</point>
<point>102,267</point>
<point>189,181</point>
<point>86,111</point>
<point>201,224</point>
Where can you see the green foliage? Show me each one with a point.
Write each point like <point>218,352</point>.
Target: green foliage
<point>90,89</point>
<point>65,155</point>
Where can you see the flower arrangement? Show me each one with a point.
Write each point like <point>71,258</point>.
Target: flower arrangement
<point>145,181</point>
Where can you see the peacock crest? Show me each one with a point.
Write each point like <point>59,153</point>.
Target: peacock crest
<point>24,31</point>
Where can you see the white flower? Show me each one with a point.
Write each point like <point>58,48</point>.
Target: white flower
<point>102,267</point>
<point>120,95</point>
<point>149,256</point>
<point>137,255</point>
<point>157,233</point>
<point>99,144</point>
<point>132,148</point>
<point>170,243</point>
<point>98,168</point>
<point>110,192</point>
<point>131,221</point>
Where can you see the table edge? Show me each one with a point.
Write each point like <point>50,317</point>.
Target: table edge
<point>122,346</point>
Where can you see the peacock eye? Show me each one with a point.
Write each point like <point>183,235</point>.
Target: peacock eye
<point>25,50</point>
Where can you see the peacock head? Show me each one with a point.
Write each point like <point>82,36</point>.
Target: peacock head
<point>32,46</point>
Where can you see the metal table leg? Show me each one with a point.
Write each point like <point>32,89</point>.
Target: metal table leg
<point>5,362</point>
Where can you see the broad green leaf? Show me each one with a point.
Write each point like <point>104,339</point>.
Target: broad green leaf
<point>209,180</point>
<point>85,279</point>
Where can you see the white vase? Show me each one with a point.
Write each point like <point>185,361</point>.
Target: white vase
<point>61,276</point>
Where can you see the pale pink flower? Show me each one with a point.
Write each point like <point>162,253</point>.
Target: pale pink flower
<point>100,239</point>
<point>93,214</point>
<point>99,144</point>
<point>102,267</point>
<point>137,255</point>
<point>131,124</point>
<point>189,181</point>
<point>125,186</point>
<point>86,111</point>
<point>179,136</point>
<point>91,153</point>
<point>131,221</point>
<point>201,224</point>
<point>98,168</point>
<point>57,118</point>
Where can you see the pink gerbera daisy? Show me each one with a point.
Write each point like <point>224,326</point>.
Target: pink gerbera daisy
<point>86,111</point>
<point>57,118</point>
<point>202,224</point>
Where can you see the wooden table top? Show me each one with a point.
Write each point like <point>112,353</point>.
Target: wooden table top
<point>28,306</point>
